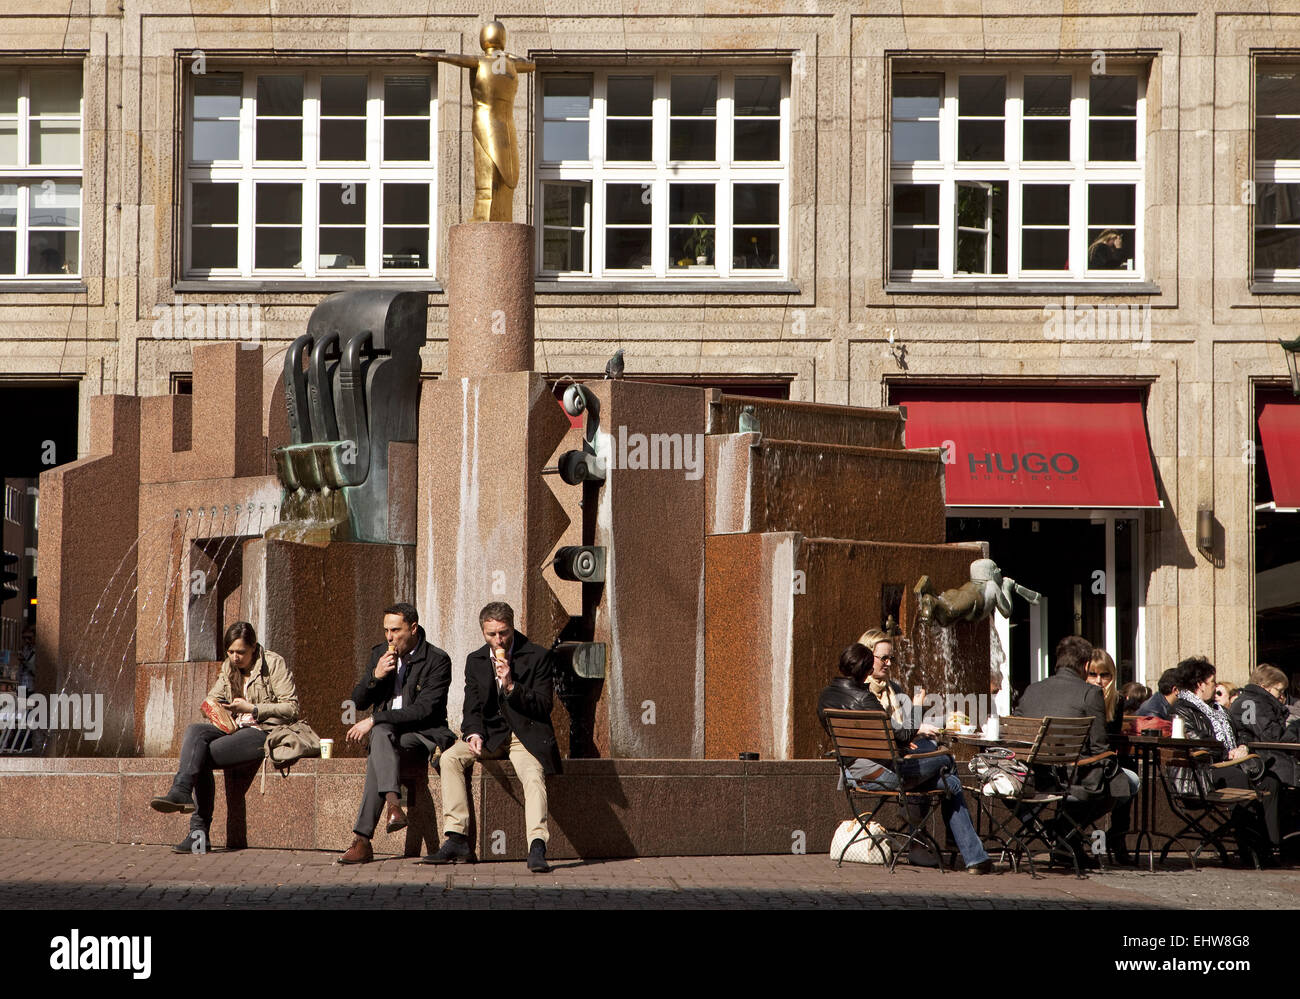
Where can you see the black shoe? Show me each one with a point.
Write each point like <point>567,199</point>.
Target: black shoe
<point>174,800</point>
<point>196,842</point>
<point>537,858</point>
<point>456,850</point>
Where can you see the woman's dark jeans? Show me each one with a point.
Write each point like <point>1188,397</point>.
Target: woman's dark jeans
<point>206,748</point>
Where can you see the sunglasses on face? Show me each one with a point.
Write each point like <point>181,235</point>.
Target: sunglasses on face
<point>1104,676</point>
<point>886,659</point>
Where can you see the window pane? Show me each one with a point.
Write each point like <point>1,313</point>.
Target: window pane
<point>53,202</point>
<point>916,204</point>
<point>563,251</point>
<point>406,139</point>
<point>1045,250</point>
<point>915,249</point>
<point>916,96</point>
<point>342,248</point>
<point>55,91</point>
<point>1277,203</point>
<point>53,252</point>
<point>758,95</point>
<point>758,140</point>
<point>757,249</point>
<point>343,95</point>
<point>1047,140</point>
<point>8,205</point>
<point>215,203</point>
<point>980,140</point>
<point>214,248</point>
<point>55,142</point>
<point>627,203</point>
<point>1112,95</point>
<point>692,140</point>
<point>982,96</point>
<point>279,139</point>
<point>279,95</point>
<point>1112,140</point>
<point>344,140</point>
<point>277,247</point>
<point>406,247</point>
<point>1110,249</point>
<point>691,204</point>
<point>566,97</point>
<point>757,203</point>
<point>407,95</point>
<point>8,252</point>
<point>1111,204</point>
<point>694,95</point>
<point>1277,249</point>
<point>279,203</point>
<point>216,140</point>
<point>564,205</point>
<point>564,140</point>
<point>982,207</point>
<point>627,248</point>
<point>624,140</point>
<point>629,95</point>
<point>343,204</point>
<point>8,91</point>
<point>1047,95</point>
<point>217,95</point>
<point>1277,138</point>
<point>1046,204</point>
<point>1277,91</point>
<point>407,204</point>
<point>915,140</point>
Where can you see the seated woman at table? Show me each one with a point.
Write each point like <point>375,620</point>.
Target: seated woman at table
<point>1204,719</point>
<point>864,685</point>
<point>1101,673</point>
<point>1135,695</point>
<point>1259,715</point>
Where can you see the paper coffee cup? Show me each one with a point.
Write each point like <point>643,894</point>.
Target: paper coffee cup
<point>326,749</point>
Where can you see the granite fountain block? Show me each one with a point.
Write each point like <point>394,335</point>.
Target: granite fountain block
<point>814,422</point>
<point>167,699</point>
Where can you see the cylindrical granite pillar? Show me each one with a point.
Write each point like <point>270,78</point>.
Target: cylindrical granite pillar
<point>490,298</point>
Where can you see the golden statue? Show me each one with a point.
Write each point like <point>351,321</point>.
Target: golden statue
<point>494,78</point>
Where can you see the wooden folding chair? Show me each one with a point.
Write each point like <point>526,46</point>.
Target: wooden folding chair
<point>1186,774</point>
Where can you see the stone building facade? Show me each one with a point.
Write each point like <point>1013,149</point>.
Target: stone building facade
<point>870,173</point>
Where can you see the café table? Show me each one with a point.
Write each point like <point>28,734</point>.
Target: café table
<point>1146,750</point>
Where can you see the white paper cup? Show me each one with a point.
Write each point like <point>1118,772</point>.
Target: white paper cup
<point>326,749</point>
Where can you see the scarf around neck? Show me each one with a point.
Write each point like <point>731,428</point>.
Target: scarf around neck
<point>1217,716</point>
<point>884,693</point>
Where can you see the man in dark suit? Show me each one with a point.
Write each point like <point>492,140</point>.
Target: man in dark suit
<point>406,683</point>
<point>507,713</point>
<point>1066,694</point>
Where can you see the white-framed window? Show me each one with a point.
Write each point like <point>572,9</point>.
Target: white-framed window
<point>40,172</point>
<point>310,173</point>
<point>1277,172</point>
<point>1019,173</point>
<point>650,173</point>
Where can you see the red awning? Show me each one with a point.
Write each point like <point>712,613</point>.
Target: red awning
<point>1279,430</point>
<point>1035,447</point>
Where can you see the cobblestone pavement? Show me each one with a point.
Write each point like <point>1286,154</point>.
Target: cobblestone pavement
<point>44,874</point>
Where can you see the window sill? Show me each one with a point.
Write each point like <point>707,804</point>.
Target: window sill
<point>43,287</point>
<point>666,286</point>
<point>1053,288</point>
<point>306,287</point>
<point>1275,288</point>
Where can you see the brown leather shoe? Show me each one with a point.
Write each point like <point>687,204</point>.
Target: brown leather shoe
<point>396,819</point>
<point>359,852</point>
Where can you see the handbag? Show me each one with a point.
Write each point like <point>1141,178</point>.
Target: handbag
<point>865,850</point>
<point>217,715</point>
<point>1001,774</point>
<point>286,745</point>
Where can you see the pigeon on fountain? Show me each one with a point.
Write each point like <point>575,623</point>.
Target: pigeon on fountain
<point>614,366</point>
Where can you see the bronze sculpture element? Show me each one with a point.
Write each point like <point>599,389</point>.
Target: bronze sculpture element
<point>973,600</point>
<point>494,78</point>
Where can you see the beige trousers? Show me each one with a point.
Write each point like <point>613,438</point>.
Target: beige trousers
<point>459,759</point>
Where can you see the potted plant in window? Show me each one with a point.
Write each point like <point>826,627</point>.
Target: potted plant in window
<point>699,243</point>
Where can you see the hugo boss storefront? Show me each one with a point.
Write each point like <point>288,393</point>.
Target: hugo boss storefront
<point>1056,480</point>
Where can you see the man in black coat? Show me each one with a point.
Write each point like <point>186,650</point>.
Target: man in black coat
<point>507,713</point>
<point>406,683</point>
<point>1066,694</point>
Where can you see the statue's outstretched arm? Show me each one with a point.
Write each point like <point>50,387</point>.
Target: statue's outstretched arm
<point>464,61</point>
